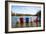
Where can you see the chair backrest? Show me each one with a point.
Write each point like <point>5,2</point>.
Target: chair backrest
<point>27,20</point>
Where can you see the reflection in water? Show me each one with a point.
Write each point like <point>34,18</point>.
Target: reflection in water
<point>25,21</point>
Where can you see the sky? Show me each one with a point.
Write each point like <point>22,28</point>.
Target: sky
<point>25,9</point>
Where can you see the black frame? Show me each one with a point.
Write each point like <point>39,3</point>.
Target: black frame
<point>6,16</point>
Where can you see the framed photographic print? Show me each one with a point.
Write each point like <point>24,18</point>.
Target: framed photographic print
<point>23,16</point>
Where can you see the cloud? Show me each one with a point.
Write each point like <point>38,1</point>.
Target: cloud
<point>25,9</point>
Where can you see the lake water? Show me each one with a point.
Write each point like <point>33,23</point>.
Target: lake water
<point>16,18</point>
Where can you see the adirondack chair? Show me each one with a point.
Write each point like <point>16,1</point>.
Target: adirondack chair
<point>21,21</point>
<point>27,21</point>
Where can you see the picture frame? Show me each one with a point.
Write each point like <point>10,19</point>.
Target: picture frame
<point>9,28</point>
